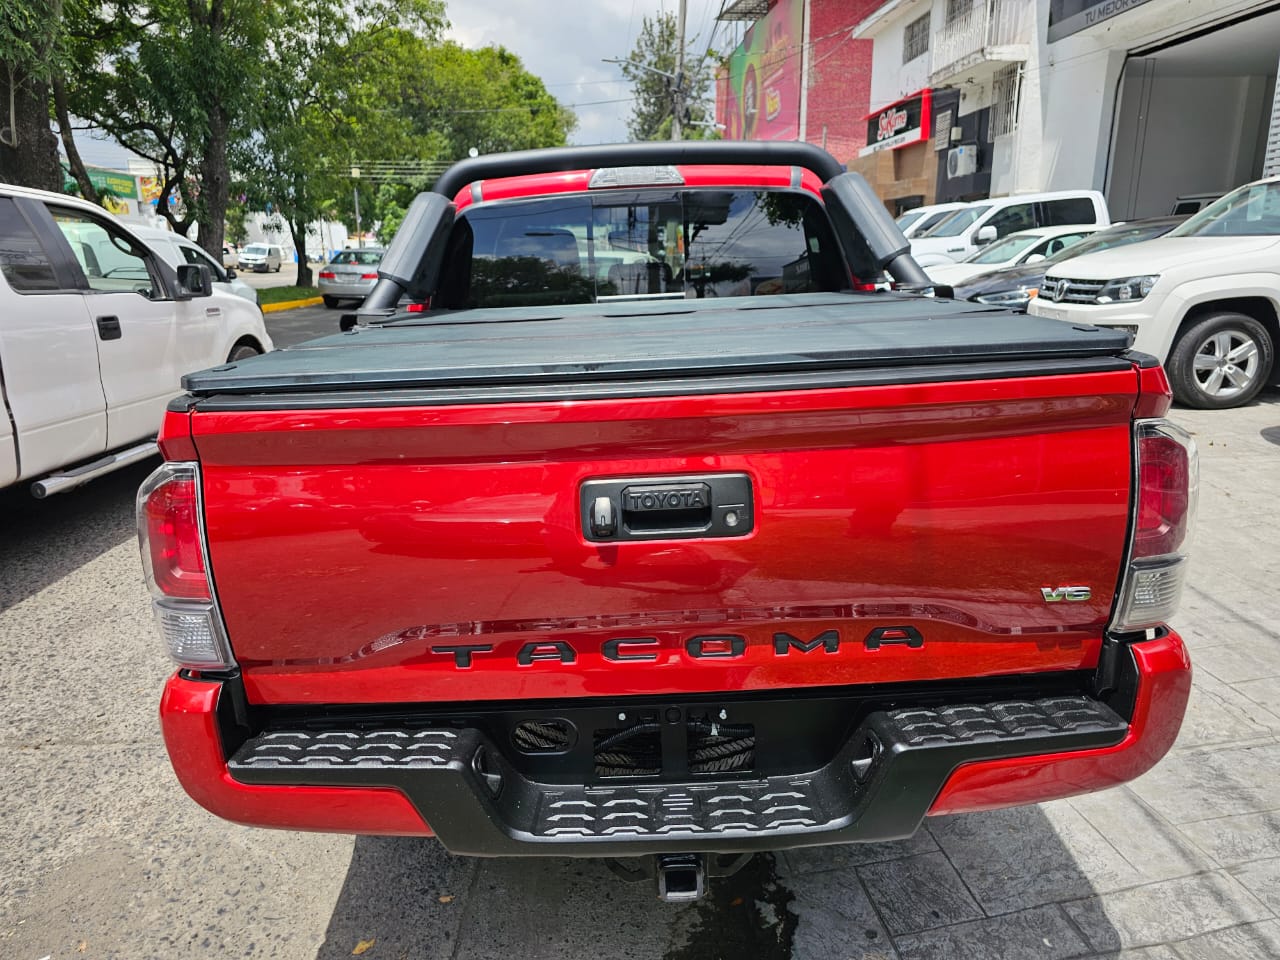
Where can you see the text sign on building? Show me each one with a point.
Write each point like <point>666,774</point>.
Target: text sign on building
<point>899,124</point>
<point>1071,16</point>
<point>758,88</point>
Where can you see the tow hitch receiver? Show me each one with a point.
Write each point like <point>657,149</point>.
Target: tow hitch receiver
<point>682,877</point>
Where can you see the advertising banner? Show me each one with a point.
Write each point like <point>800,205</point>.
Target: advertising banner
<point>123,186</point>
<point>1071,16</point>
<point>758,91</point>
<point>899,124</point>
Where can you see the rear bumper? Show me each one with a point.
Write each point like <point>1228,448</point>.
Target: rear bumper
<point>898,766</point>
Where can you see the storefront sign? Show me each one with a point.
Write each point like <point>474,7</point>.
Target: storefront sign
<point>899,124</point>
<point>110,182</point>
<point>758,89</point>
<point>1071,16</point>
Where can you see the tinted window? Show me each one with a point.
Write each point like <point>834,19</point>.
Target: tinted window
<point>957,222</point>
<point>1063,213</point>
<point>22,260</point>
<point>1020,216</point>
<point>111,262</point>
<point>357,258</point>
<point>692,244</point>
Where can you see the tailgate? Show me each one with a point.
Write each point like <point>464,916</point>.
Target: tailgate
<point>899,532</point>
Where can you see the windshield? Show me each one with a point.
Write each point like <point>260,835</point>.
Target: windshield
<point>1251,211</point>
<point>357,258</point>
<point>908,218</point>
<point>1002,251</point>
<point>256,248</point>
<point>687,244</point>
<point>958,222</point>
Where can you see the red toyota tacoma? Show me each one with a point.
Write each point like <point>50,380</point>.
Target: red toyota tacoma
<point>663,530</point>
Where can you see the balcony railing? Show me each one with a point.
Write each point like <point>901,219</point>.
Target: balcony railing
<point>988,30</point>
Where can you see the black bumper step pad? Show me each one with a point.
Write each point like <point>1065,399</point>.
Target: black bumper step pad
<point>879,785</point>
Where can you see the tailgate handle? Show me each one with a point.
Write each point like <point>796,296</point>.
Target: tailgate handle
<point>667,508</point>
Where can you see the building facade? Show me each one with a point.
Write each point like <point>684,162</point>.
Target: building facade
<point>1146,100</point>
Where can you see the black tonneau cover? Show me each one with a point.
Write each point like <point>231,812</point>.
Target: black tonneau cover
<point>671,339</point>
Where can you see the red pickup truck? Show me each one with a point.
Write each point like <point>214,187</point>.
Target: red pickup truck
<point>662,530</point>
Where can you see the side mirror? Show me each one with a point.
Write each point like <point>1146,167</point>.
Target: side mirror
<point>984,235</point>
<point>1034,258</point>
<point>231,273</point>
<point>194,280</point>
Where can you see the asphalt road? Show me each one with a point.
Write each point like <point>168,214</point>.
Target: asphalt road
<point>103,855</point>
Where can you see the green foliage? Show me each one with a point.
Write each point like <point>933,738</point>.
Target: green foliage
<point>651,115</point>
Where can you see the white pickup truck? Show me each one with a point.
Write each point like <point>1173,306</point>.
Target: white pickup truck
<point>1203,299</point>
<point>96,332</point>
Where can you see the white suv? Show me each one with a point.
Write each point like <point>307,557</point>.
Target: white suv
<point>981,222</point>
<point>1203,298</point>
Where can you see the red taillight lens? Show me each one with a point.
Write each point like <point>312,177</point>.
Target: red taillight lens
<point>328,275</point>
<point>1164,495</point>
<point>415,308</point>
<point>368,276</point>
<point>171,538</point>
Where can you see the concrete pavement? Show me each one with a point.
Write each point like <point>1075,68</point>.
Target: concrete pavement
<point>103,855</point>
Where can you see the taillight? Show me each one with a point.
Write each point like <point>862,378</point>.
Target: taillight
<point>328,275</point>
<point>1167,485</point>
<point>173,560</point>
<point>368,276</point>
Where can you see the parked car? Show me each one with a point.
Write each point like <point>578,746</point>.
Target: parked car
<point>920,220</point>
<point>176,249</point>
<point>1013,287</point>
<point>684,558</point>
<point>96,331</point>
<point>349,275</point>
<point>1026,246</point>
<point>230,258</point>
<point>986,221</point>
<point>262,257</point>
<point>1202,298</point>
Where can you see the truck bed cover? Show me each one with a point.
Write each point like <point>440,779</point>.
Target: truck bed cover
<point>680,339</point>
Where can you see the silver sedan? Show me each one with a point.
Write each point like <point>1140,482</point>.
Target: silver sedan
<point>350,275</point>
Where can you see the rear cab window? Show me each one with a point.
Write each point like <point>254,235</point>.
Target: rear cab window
<point>1068,211</point>
<point>692,244</point>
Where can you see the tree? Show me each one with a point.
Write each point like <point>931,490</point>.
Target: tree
<point>29,32</point>
<point>179,85</point>
<point>651,68</point>
<point>317,110</point>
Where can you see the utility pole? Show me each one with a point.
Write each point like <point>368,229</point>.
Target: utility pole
<point>677,94</point>
<point>355,175</point>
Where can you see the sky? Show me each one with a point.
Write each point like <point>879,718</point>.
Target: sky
<point>563,43</point>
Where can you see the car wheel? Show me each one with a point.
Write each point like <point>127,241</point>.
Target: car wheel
<point>331,302</point>
<point>1221,361</point>
<point>242,351</point>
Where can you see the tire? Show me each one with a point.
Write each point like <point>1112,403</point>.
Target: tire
<point>1222,360</point>
<point>331,302</point>
<point>242,351</point>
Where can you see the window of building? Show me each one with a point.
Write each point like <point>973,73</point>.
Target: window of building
<point>1004,99</point>
<point>915,39</point>
<point>958,9</point>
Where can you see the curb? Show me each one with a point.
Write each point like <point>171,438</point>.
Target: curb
<point>290,304</point>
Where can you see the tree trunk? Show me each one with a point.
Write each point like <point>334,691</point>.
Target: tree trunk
<point>74,163</point>
<point>29,149</point>
<point>299,234</point>
<point>215,185</point>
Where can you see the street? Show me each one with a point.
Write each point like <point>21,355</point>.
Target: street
<point>103,855</point>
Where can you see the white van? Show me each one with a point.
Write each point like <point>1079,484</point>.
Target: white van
<point>176,250</point>
<point>983,221</point>
<point>96,332</point>
<point>262,257</point>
